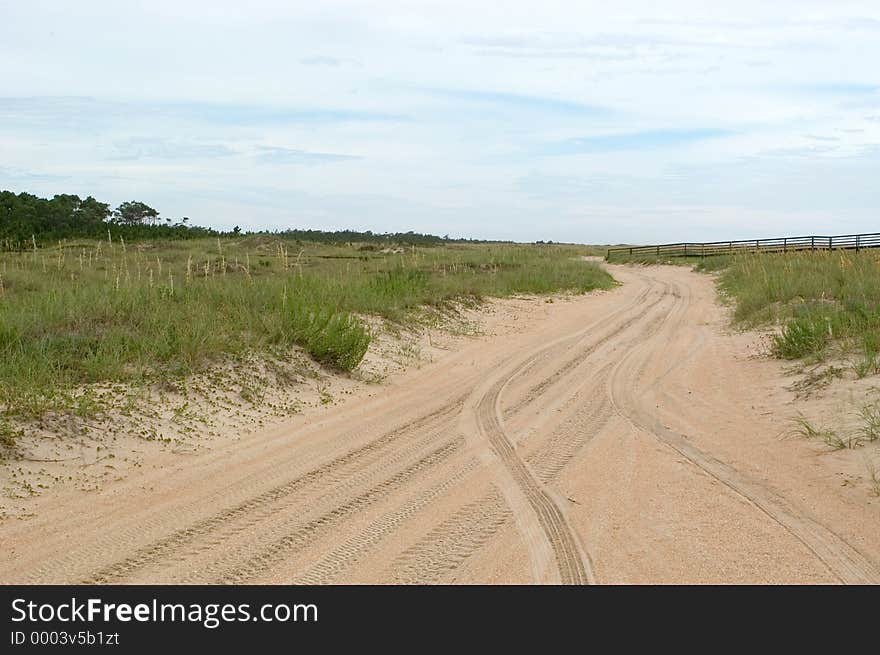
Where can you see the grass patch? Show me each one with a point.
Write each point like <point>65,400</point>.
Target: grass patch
<point>8,435</point>
<point>94,312</point>
<point>803,427</point>
<point>870,418</point>
<point>867,365</point>
<point>821,299</point>
<point>800,337</point>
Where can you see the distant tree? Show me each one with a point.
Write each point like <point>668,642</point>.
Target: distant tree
<point>92,212</point>
<point>135,213</point>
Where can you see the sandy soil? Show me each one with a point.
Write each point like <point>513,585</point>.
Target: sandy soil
<point>619,437</point>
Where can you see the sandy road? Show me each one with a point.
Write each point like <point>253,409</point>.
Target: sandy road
<point>622,438</point>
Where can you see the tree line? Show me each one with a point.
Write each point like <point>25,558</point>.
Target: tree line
<point>27,220</point>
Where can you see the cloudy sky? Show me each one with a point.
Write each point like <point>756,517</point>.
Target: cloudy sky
<point>573,121</point>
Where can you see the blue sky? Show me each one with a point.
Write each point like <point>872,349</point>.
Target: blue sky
<point>573,121</point>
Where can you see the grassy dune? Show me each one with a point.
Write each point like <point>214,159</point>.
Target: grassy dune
<point>105,312</point>
<point>820,298</point>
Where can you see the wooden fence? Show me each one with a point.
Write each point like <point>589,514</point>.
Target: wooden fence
<point>782,244</point>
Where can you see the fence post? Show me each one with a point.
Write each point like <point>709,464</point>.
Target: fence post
<point>785,245</point>
<point>757,244</point>
<point>830,243</point>
<point>812,243</point>
<point>857,243</point>
<point>630,252</point>
<point>685,250</point>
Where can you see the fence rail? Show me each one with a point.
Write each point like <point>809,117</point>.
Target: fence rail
<point>781,244</point>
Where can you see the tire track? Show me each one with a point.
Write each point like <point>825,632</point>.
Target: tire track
<point>335,490</point>
<point>581,335</point>
<point>453,541</point>
<point>570,562</point>
<point>843,560</point>
<point>350,552</point>
<point>554,457</point>
<point>257,507</point>
<point>250,512</point>
<point>314,528</point>
<point>562,446</point>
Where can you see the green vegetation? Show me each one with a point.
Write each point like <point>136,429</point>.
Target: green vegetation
<point>822,299</point>
<point>867,432</point>
<point>802,426</point>
<point>115,311</point>
<point>870,419</point>
<point>831,438</point>
<point>27,221</point>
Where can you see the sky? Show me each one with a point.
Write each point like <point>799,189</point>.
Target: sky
<point>591,122</point>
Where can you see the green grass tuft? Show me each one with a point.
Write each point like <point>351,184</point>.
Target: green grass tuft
<point>800,337</point>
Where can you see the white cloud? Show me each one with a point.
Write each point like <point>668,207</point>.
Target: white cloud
<point>427,115</point>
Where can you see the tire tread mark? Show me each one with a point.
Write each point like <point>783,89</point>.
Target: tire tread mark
<point>561,448</point>
<point>573,565</point>
<point>537,390</point>
<point>551,519</point>
<point>453,541</point>
<point>163,547</point>
<point>312,529</point>
<point>347,554</point>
